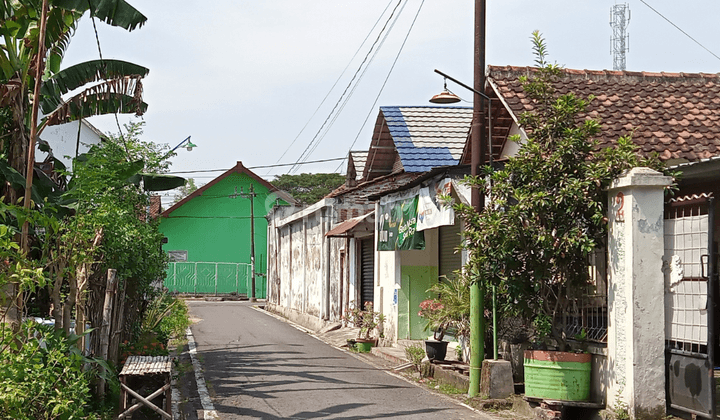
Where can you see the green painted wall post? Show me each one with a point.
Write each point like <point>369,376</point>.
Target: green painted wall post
<point>477,336</point>
<point>494,314</point>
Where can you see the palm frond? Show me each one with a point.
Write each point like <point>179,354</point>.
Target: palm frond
<point>81,74</point>
<point>122,95</point>
<point>113,12</point>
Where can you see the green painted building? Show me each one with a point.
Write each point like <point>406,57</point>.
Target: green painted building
<point>209,235</point>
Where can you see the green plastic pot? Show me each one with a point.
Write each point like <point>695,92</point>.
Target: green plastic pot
<point>557,375</point>
<point>364,346</point>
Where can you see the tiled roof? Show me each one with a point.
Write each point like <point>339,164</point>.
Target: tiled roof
<point>358,193</point>
<point>155,206</point>
<point>427,136</point>
<point>676,115</point>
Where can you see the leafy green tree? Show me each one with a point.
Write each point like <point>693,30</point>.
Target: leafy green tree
<point>107,230</point>
<point>548,210</point>
<point>185,190</point>
<point>308,188</point>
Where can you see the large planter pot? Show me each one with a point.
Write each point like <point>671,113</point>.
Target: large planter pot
<point>557,375</point>
<point>364,345</point>
<point>436,350</point>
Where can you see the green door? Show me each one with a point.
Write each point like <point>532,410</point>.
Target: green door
<point>415,280</point>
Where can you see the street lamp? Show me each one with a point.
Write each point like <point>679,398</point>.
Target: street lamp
<point>445,97</point>
<point>189,145</point>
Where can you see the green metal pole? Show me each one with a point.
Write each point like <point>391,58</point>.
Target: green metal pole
<point>495,341</point>
<point>477,153</point>
<point>477,336</point>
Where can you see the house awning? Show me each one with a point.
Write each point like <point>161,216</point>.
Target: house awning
<point>348,227</point>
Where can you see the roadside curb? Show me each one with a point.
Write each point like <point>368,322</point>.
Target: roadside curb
<point>208,411</point>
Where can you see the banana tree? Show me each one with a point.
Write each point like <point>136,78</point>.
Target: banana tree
<point>109,86</point>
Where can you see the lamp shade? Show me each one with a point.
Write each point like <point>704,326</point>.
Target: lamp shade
<point>445,97</point>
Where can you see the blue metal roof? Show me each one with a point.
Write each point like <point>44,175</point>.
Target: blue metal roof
<point>427,137</point>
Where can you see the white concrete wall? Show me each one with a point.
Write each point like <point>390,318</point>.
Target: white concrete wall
<point>511,148</point>
<point>63,140</point>
<point>427,257</point>
<point>387,286</point>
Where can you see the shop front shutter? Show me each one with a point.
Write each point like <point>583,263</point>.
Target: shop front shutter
<point>367,270</point>
<point>449,241</point>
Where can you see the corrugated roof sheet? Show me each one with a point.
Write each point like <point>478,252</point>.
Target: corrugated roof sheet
<point>359,159</point>
<point>428,136</point>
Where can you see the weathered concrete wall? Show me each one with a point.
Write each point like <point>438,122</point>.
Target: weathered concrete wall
<point>635,294</point>
<point>310,275</point>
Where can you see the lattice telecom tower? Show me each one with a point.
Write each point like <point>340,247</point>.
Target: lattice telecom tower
<point>620,42</point>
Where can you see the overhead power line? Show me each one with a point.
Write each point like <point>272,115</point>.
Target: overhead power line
<point>678,28</point>
<point>335,84</point>
<point>372,107</point>
<point>305,153</point>
<point>362,75</point>
<point>259,167</point>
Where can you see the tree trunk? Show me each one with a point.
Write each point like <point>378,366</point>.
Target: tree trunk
<point>117,327</point>
<point>105,328</point>
<point>81,280</point>
<point>68,307</point>
<point>83,277</point>
<point>57,312</point>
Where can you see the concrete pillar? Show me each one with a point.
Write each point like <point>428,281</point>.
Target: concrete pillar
<point>636,309</point>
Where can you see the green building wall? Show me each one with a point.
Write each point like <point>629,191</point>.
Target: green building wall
<point>214,228</point>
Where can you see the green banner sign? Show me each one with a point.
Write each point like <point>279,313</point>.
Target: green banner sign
<point>397,226</point>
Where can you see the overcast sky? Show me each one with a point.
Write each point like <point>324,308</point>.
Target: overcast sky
<point>244,77</point>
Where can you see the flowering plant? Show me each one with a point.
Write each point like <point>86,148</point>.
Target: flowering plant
<point>142,348</point>
<point>450,310</point>
<point>367,320</point>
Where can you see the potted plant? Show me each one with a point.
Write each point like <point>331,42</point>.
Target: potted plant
<point>448,312</point>
<point>548,214</point>
<point>367,320</point>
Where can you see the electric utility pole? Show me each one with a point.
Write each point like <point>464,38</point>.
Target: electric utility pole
<point>251,195</point>
<point>478,143</point>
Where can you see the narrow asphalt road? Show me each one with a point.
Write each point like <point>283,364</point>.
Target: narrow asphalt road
<point>259,367</point>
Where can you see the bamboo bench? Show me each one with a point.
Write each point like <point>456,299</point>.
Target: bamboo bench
<point>142,366</point>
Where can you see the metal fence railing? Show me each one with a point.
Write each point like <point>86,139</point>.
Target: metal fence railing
<point>213,278</point>
<point>586,315</point>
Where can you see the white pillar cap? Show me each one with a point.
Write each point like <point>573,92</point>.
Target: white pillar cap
<point>641,177</point>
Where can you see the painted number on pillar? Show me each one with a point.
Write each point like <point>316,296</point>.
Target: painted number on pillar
<point>618,205</point>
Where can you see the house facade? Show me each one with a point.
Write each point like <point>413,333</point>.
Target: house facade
<point>653,318</point>
<point>326,255</point>
<point>209,235</point>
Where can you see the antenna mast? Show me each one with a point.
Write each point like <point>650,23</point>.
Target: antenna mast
<point>620,42</point>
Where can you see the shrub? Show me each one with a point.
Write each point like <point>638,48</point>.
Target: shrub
<point>42,376</point>
<point>367,320</point>
<point>167,317</point>
<point>415,355</point>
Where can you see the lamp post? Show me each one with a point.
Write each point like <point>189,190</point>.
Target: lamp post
<point>251,195</point>
<point>478,147</point>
